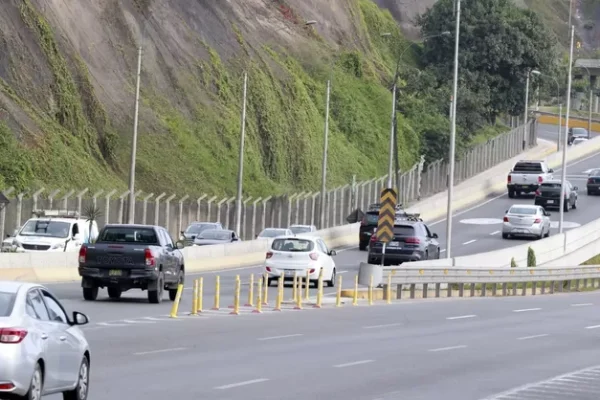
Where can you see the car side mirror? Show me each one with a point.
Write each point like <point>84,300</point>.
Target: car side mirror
<point>181,233</point>
<point>80,318</point>
<point>506,212</point>
<point>332,253</point>
<point>551,170</point>
<point>180,245</point>
<point>8,235</point>
<point>435,236</point>
<point>575,188</point>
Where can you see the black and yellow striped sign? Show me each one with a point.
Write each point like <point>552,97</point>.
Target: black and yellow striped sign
<point>387,215</point>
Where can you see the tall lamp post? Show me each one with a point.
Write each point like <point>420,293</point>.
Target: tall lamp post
<point>131,213</point>
<point>452,136</point>
<point>558,142</point>
<point>590,101</point>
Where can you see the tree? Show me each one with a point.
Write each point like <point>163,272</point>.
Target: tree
<point>92,213</point>
<point>499,42</point>
<point>513,263</point>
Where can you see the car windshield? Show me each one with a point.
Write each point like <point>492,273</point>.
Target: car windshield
<point>371,218</point>
<point>128,235</point>
<point>300,229</point>
<point>302,245</point>
<point>197,228</point>
<point>595,172</point>
<point>47,228</point>
<point>215,234</point>
<point>272,232</point>
<point>528,167</point>
<point>6,303</point>
<point>404,230</point>
<point>579,132</point>
<point>523,210</point>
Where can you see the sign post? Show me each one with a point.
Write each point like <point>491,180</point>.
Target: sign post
<point>385,223</point>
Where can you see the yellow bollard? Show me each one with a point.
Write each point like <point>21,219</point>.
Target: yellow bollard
<point>265,296</point>
<point>195,299</point>
<point>175,307</point>
<point>279,299</point>
<point>307,290</point>
<point>259,303</point>
<point>250,302</point>
<point>389,289</point>
<point>236,296</point>
<point>295,287</point>
<point>355,297</point>
<point>200,298</point>
<point>338,296</point>
<point>281,281</point>
<point>217,292</point>
<point>370,295</point>
<point>319,290</point>
<point>298,298</point>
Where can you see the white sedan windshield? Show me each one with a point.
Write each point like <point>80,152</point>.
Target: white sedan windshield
<point>47,228</point>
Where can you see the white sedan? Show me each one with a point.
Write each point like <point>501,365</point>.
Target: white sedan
<point>299,255</point>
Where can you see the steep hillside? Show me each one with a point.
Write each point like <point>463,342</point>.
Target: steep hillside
<point>68,83</point>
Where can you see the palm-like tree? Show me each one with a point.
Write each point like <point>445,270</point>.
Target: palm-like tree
<point>92,214</point>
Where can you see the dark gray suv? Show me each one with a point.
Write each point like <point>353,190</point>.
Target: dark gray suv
<point>412,241</point>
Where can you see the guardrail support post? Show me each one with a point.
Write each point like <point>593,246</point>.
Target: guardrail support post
<point>483,289</point>
<point>585,283</point>
<point>437,289</point>
<point>543,288</point>
<point>533,288</point>
<point>425,290</point>
<point>449,290</point>
<point>412,291</point>
<point>551,288</point>
<point>524,289</point>
<point>514,288</point>
<point>494,289</point>
<point>504,289</point>
<point>461,290</point>
<point>471,289</point>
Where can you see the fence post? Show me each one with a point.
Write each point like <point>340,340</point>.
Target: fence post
<point>181,201</point>
<point>168,212</point>
<point>157,208</point>
<point>35,196</point>
<point>290,199</point>
<point>253,230</point>
<point>80,199</point>
<point>65,199</point>
<point>199,202</point>
<point>51,197</point>
<point>6,193</point>
<point>107,204</point>
<point>122,205</point>
<point>145,207</point>
<point>95,197</point>
<point>228,211</point>
<point>297,209</point>
<point>19,210</point>
<point>264,212</point>
<point>219,205</point>
<point>419,176</point>
<point>313,207</point>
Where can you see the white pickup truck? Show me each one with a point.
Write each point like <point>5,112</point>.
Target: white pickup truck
<point>527,176</point>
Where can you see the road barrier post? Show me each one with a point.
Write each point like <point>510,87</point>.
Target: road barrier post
<point>195,299</point>
<point>370,294</point>
<point>236,296</point>
<point>298,298</point>
<point>279,298</point>
<point>389,289</point>
<point>281,281</point>
<point>259,303</point>
<point>295,287</point>
<point>307,289</point>
<point>265,296</point>
<point>217,292</point>
<point>338,296</point>
<point>355,297</point>
<point>200,298</point>
<point>319,290</point>
<point>250,302</point>
<point>175,307</point>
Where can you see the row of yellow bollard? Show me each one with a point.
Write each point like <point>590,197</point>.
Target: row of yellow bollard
<point>262,292</point>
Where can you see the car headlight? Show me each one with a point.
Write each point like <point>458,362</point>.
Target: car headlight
<point>16,243</point>
<point>57,246</point>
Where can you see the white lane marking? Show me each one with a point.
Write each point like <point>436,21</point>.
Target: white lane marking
<point>130,321</point>
<point>111,324</point>
<point>280,337</point>
<point>159,319</point>
<point>381,326</point>
<point>592,327</point>
<point>582,304</point>
<point>447,348</point>
<point>532,337</point>
<point>495,233</point>
<point>353,363</point>
<point>462,317</point>
<point>233,385</point>
<point>470,241</point>
<point>527,309</point>
<point>342,272</point>
<point>143,353</point>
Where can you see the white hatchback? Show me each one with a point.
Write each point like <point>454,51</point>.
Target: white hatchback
<point>300,255</point>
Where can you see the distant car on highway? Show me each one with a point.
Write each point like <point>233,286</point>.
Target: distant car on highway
<point>216,236</point>
<point>593,182</point>
<point>577,141</point>
<point>42,350</point>
<point>300,229</point>
<point>412,241</point>
<point>368,225</point>
<point>575,133</point>
<point>269,233</point>
<point>548,195</point>
<point>526,176</point>
<point>195,228</point>
<point>300,255</point>
<point>525,220</point>
<point>132,257</point>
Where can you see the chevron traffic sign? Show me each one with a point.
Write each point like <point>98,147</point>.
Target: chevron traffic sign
<point>387,214</point>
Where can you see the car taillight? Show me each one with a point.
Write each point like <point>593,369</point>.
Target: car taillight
<point>268,269</point>
<point>537,221</point>
<point>12,335</point>
<point>314,256</point>
<point>590,180</point>
<point>373,238</point>
<point>82,254</point>
<point>363,221</point>
<point>6,386</point>
<point>412,240</point>
<point>540,179</point>
<point>505,219</point>
<point>269,254</point>
<point>538,193</point>
<point>149,258</point>
<point>509,179</point>
<point>311,271</point>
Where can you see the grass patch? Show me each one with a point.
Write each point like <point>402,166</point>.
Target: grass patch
<point>592,261</point>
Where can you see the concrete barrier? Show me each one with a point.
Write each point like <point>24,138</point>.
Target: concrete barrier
<point>574,122</point>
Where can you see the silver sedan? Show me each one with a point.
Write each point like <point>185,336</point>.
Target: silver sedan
<point>42,350</point>
<point>527,221</point>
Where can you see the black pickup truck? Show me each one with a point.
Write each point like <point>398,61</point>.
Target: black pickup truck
<point>131,257</point>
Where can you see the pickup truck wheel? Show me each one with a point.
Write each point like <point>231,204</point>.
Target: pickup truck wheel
<point>511,194</point>
<point>155,296</point>
<point>173,292</point>
<point>114,293</point>
<point>90,294</point>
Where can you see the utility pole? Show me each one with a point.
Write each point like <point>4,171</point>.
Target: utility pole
<point>131,216</point>
<point>325,150</point>
<point>240,177</point>
<point>390,180</point>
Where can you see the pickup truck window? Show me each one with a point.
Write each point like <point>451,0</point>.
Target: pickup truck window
<point>128,235</point>
<point>528,168</point>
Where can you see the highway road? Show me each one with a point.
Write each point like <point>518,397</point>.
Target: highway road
<point>453,349</point>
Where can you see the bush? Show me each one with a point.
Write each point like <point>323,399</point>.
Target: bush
<point>531,262</point>
<point>513,263</point>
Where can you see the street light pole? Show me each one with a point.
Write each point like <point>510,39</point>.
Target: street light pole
<point>452,137</point>
<point>325,150</point>
<point>563,178</point>
<point>390,185</point>
<point>240,177</point>
<point>526,113</point>
<point>131,213</point>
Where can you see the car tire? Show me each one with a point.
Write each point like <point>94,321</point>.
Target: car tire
<point>331,283</point>
<point>83,381</point>
<point>362,246</point>
<point>155,296</point>
<point>547,233</point>
<point>505,236</point>
<point>173,292</point>
<point>511,194</point>
<point>575,204</point>
<point>589,192</point>
<point>90,294</point>
<point>114,293</point>
<point>566,207</point>
<point>36,386</point>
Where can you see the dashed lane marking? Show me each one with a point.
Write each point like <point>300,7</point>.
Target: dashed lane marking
<point>462,317</point>
<point>526,310</point>
<point>447,348</point>
<point>238,384</point>
<point>533,336</point>
<point>469,242</point>
<point>352,364</point>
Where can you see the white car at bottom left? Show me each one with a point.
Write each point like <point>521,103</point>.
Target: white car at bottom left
<point>42,350</point>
